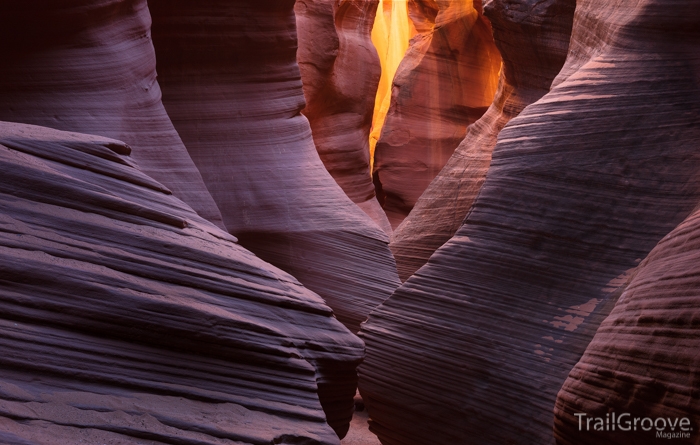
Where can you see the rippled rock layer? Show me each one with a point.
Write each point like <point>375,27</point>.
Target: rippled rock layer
<point>232,87</point>
<point>445,82</point>
<point>582,185</point>
<point>89,66</point>
<point>127,318</point>
<point>533,38</point>
<point>643,361</point>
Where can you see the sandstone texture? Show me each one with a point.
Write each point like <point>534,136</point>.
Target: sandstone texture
<point>475,346</point>
<point>232,88</point>
<point>89,66</point>
<point>643,361</point>
<point>340,72</point>
<point>445,82</point>
<point>533,38</point>
<point>129,319</point>
<point>644,358</point>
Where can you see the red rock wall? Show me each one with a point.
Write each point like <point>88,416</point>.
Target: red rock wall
<point>232,87</point>
<point>127,318</point>
<point>89,66</point>
<point>474,347</point>
<point>340,72</point>
<point>445,82</point>
<point>533,43</point>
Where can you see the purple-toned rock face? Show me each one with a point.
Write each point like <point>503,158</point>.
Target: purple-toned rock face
<point>89,66</point>
<point>533,42</point>
<point>474,347</point>
<point>232,88</point>
<point>643,361</point>
<point>130,315</point>
<point>445,82</point>
<point>340,72</point>
<point>127,318</point>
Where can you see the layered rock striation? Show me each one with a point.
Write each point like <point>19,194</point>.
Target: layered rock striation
<point>89,66</point>
<point>232,87</point>
<point>475,346</point>
<point>533,38</point>
<point>127,318</point>
<point>643,361</point>
<point>445,82</point>
<point>340,72</point>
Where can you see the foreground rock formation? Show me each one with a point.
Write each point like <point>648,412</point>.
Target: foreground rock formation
<point>89,66</point>
<point>643,361</point>
<point>445,82</point>
<point>232,88</point>
<point>583,183</point>
<point>127,318</point>
<point>340,72</point>
<point>533,43</point>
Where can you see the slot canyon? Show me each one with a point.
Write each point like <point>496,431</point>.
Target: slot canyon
<point>349,222</point>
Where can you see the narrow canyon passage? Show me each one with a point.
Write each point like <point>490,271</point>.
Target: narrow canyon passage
<point>433,71</point>
<point>445,82</point>
<point>349,222</point>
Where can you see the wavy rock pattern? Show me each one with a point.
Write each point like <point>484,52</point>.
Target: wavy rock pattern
<point>644,357</point>
<point>582,185</point>
<point>334,40</point>
<point>445,82</point>
<point>127,318</point>
<point>232,88</point>
<point>533,38</point>
<point>89,66</point>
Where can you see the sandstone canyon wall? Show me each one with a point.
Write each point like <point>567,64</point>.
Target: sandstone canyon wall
<point>474,347</point>
<point>643,361</point>
<point>232,88</point>
<point>445,82</point>
<point>89,66</point>
<point>533,39</point>
<point>127,318</point>
<point>340,73</point>
<point>644,358</point>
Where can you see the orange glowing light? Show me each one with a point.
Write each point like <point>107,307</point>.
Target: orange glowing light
<point>391,33</point>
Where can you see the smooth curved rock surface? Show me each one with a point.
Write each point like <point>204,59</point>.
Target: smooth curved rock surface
<point>89,66</point>
<point>127,318</point>
<point>334,40</point>
<point>533,38</point>
<point>474,347</point>
<point>445,82</point>
<point>232,87</point>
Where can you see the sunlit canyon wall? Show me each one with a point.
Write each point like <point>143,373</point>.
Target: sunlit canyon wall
<point>445,82</point>
<point>533,43</point>
<point>340,71</point>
